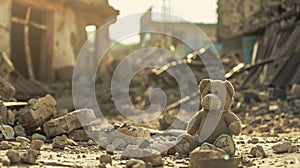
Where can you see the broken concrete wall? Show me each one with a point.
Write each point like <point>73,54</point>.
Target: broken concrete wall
<point>245,17</point>
<point>5,13</point>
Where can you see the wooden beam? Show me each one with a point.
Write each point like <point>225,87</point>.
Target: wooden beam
<point>31,23</point>
<point>27,46</point>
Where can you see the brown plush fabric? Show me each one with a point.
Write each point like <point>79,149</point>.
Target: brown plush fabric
<point>215,122</point>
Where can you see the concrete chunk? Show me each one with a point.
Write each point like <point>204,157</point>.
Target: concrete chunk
<point>69,122</point>
<point>37,112</point>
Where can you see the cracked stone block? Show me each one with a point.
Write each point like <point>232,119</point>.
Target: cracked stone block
<point>37,112</point>
<point>69,122</point>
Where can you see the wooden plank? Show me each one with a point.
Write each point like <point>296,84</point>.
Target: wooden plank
<point>11,104</point>
<point>31,23</point>
<point>27,46</point>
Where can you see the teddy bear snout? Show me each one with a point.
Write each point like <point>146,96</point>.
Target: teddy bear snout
<point>211,102</point>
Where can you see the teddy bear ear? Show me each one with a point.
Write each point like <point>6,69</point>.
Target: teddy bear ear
<point>230,88</point>
<point>203,84</point>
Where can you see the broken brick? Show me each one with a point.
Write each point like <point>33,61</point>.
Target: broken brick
<point>37,112</point>
<point>69,122</point>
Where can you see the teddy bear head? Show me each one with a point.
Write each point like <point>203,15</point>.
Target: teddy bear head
<point>216,94</point>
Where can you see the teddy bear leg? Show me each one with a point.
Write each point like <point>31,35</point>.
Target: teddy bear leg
<point>206,145</point>
<point>226,143</point>
<point>186,143</point>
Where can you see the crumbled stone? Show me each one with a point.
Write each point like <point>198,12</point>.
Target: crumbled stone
<point>36,144</point>
<point>144,144</point>
<point>7,90</point>
<point>91,142</point>
<point>30,156</point>
<point>19,130</point>
<point>258,151</point>
<point>293,149</point>
<point>13,156</point>
<point>5,145</point>
<point>79,135</point>
<point>253,140</point>
<point>37,112</point>
<point>7,131</point>
<point>59,142</point>
<point>147,155</point>
<point>22,139</point>
<point>69,122</point>
<point>106,159</point>
<point>5,161</point>
<point>281,147</point>
<point>11,117</point>
<point>38,136</point>
<point>110,149</point>
<point>104,142</point>
<point>60,113</point>
<point>135,163</point>
<point>118,143</point>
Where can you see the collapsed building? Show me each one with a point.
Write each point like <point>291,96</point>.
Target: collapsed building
<point>43,36</point>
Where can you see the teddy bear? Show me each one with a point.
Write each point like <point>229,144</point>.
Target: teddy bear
<point>214,125</point>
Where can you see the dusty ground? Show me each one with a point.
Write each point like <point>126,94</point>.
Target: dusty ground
<point>88,154</point>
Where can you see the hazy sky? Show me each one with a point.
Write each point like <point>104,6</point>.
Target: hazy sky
<point>191,10</point>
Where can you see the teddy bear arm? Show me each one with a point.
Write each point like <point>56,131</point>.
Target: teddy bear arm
<point>194,124</point>
<point>234,124</point>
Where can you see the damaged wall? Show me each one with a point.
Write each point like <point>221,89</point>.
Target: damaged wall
<point>246,17</point>
<point>5,7</point>
<point>64,27</point>
<point>63,32</point>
